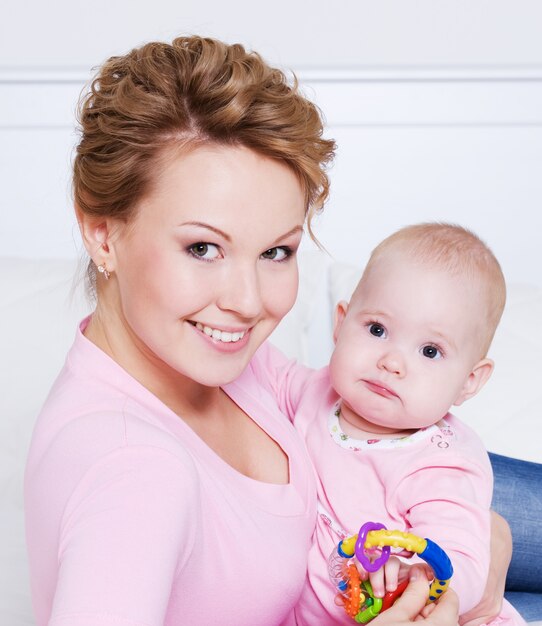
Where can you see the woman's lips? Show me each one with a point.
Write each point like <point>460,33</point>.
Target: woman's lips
<point>221,335</point>
<point>222,340</point>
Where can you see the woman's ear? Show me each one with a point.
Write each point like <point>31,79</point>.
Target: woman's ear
<point>96,233</point>
<point>338,318</point>
<point>476,380</point>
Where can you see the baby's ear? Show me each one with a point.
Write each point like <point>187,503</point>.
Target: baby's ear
<point>476,380</point>
<point>338,318</point>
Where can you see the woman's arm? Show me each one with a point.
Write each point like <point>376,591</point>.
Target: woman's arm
<point>126,528</point>
<point>501,553</point>
<point>517,496</point>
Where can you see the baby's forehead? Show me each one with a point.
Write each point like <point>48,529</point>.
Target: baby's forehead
<point>406,269</point>
<point>432,297</point>
<point>418,285</point>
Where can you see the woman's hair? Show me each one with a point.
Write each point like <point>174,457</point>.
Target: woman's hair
<point>161,98</point>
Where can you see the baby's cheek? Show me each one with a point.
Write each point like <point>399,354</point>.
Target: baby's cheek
<point>338,372</point>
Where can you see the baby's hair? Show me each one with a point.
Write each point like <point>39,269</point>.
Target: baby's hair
<point>163,98</point>
<point>457,250</point>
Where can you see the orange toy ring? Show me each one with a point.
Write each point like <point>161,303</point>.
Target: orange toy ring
<point>353,591</point>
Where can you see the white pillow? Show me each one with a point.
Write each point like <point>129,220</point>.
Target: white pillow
<point>293,334</point>
<point>507,412</point>
<point>38,314</point>
<point>343,279</point>
<point>38,318</point>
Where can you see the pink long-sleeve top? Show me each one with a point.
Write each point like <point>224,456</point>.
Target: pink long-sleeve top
<point>132,520</point>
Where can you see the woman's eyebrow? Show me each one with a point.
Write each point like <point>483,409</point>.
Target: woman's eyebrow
<point>292,231</point>
<point>208,227</point>
<point>295,229</point>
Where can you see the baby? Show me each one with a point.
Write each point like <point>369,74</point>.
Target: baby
<point>411,343</point>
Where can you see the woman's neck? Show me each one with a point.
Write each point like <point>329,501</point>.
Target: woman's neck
<point>182,395</point>
<point>208,411</point>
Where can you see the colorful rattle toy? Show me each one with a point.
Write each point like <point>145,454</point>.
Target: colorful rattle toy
<point>356,595</point>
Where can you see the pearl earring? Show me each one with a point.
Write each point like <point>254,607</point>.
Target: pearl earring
<point>102,270</point>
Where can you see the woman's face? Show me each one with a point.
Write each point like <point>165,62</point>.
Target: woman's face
<point>207,268</point>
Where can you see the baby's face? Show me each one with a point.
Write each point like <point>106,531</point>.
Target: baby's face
<point>407,346</point>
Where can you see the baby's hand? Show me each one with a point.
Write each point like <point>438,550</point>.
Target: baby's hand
<point>387,578</point>
<point>394,572</point>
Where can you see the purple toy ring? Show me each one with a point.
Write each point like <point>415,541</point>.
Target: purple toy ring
<point>360,548</point>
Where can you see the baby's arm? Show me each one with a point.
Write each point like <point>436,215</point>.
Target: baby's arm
<point>285,378</point>
<point>447,500</point>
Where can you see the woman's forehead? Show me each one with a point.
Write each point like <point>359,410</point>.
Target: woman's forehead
<point>225,188</point>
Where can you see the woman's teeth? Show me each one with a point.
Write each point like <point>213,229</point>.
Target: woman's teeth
<point>220,335</point>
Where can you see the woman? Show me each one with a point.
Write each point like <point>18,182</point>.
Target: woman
<point>163,486</point>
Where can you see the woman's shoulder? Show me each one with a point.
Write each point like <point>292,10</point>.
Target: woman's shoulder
<point>96,405</point>
<point>87,418</point>
<point>86,422</point>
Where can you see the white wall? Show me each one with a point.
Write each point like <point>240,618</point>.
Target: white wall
<point>352,33</point>
<point>436,108</point>
<point>453,148</point>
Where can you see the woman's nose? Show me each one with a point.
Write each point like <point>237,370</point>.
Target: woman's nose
<point>393,362</point>
<point>240,292</point>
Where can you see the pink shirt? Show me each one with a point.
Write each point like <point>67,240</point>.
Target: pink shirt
<point>436,483</point>
<point>132,520</point>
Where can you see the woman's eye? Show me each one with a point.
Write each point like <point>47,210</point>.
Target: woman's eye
<point>377,330</point>
<point>277,254</point>
<point>203,250</point>
<point>431,352</point>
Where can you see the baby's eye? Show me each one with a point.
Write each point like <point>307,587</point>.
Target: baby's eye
<point>377,329</point>
<point>279,253</point>
<point>202,250</point>
<point>431,352</point>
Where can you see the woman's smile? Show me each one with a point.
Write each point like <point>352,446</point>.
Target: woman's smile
<point>223,340</point>
<point>223,336</point>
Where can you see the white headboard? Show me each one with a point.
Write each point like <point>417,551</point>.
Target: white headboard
<point>461,145</point>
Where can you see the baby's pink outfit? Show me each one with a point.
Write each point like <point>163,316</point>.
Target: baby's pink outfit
<point>132,520</point>
<point>436,483</point>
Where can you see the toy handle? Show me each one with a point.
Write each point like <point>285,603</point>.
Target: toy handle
<point>440,562</point>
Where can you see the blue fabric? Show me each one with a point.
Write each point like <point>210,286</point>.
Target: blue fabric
<point>529,605</point>
<point>517,496</point>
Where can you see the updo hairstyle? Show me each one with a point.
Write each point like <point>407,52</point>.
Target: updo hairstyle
<point>192,91</point>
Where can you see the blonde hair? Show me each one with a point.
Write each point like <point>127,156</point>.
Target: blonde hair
<point>192,91</point>
<point>458,251</point>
